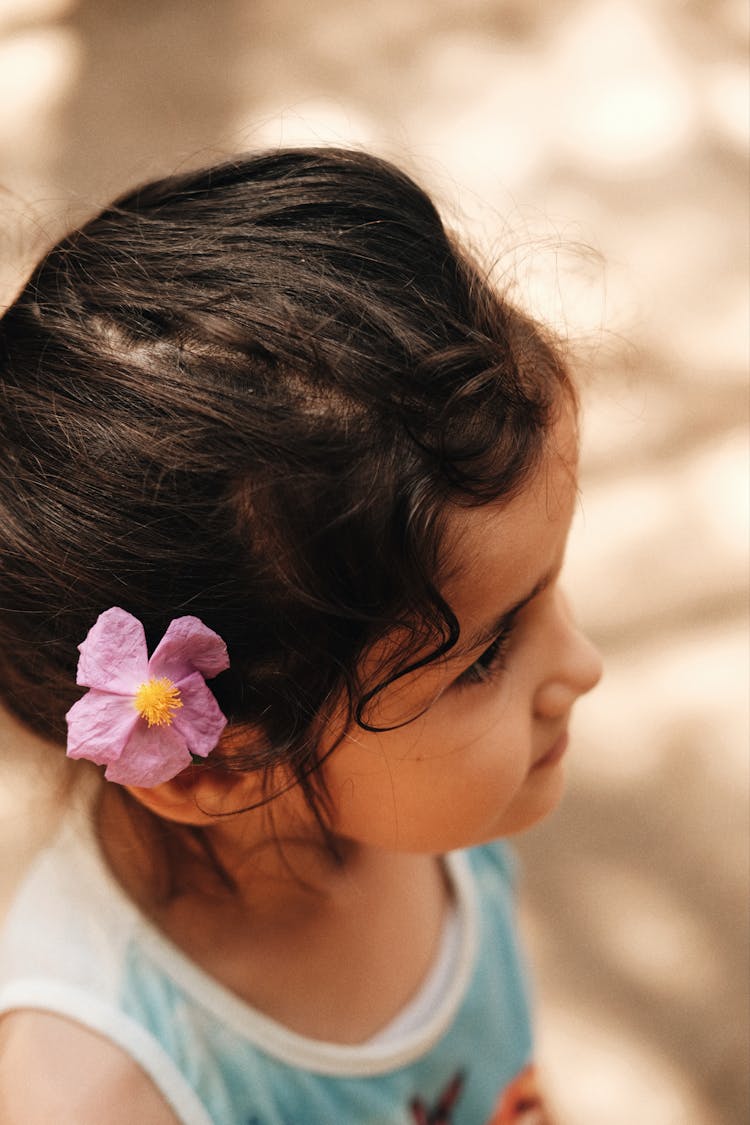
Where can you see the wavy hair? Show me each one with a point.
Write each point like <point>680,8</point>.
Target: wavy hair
<point>249,393</point>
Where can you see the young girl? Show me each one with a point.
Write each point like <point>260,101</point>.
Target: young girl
<point>285,488</point>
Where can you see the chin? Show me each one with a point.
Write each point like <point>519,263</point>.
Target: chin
<point>539,797</point>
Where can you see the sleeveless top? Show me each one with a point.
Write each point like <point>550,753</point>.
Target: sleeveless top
<point>74,944</point>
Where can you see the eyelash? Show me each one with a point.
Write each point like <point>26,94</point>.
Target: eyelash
<point>490,663</point>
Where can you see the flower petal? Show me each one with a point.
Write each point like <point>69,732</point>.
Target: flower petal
<point>151,756</point>
<point>99,726</point>
<point>199,720</point>
<point>188,646</point>
<point>114,656</point>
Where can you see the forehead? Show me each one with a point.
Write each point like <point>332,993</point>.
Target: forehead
<point>497,553</point>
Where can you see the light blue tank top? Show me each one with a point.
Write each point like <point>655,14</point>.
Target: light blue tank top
<point>75,944</point>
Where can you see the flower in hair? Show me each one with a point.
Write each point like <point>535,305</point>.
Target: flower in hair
<point>145,719</point>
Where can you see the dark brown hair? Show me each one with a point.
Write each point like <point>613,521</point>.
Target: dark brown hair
<point>247,393</point>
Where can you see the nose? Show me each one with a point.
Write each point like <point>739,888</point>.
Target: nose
<point>576,666</point>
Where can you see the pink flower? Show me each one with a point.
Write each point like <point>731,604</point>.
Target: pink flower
<point>143,719</point>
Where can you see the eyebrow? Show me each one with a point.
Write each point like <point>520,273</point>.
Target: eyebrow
<point>493,629</point>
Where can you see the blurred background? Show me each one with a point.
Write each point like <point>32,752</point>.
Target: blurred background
<point>596,152</point>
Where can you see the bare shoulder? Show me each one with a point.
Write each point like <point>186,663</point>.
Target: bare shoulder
<point>53,1069</point>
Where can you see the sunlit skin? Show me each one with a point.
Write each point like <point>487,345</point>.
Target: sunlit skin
<point>484,760</point>
<point>303,931</point>
<point>476,740</point>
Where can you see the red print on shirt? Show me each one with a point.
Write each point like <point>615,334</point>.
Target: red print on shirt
<point>442,1112</point>
<point>520,1103</point>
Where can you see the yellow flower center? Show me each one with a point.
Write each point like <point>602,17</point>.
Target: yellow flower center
<point>155,700</point>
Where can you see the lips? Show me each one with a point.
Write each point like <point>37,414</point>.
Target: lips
<point>555,752</point>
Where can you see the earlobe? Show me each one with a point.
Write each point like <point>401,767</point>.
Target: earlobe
<point>198,795</point>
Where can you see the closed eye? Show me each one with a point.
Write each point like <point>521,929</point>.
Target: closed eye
<point>491,661</point>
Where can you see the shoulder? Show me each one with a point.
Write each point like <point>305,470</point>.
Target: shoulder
<point>53,1069</point>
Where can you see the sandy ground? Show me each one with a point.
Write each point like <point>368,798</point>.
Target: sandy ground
<point>597,150</point>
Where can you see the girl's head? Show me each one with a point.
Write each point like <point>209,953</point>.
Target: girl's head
<point>275,395</point>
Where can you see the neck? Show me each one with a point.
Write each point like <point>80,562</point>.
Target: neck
<point>331,947</point>
<point>248,866</point>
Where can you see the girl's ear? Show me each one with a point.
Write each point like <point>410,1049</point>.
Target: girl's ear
<point>198,795</point>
